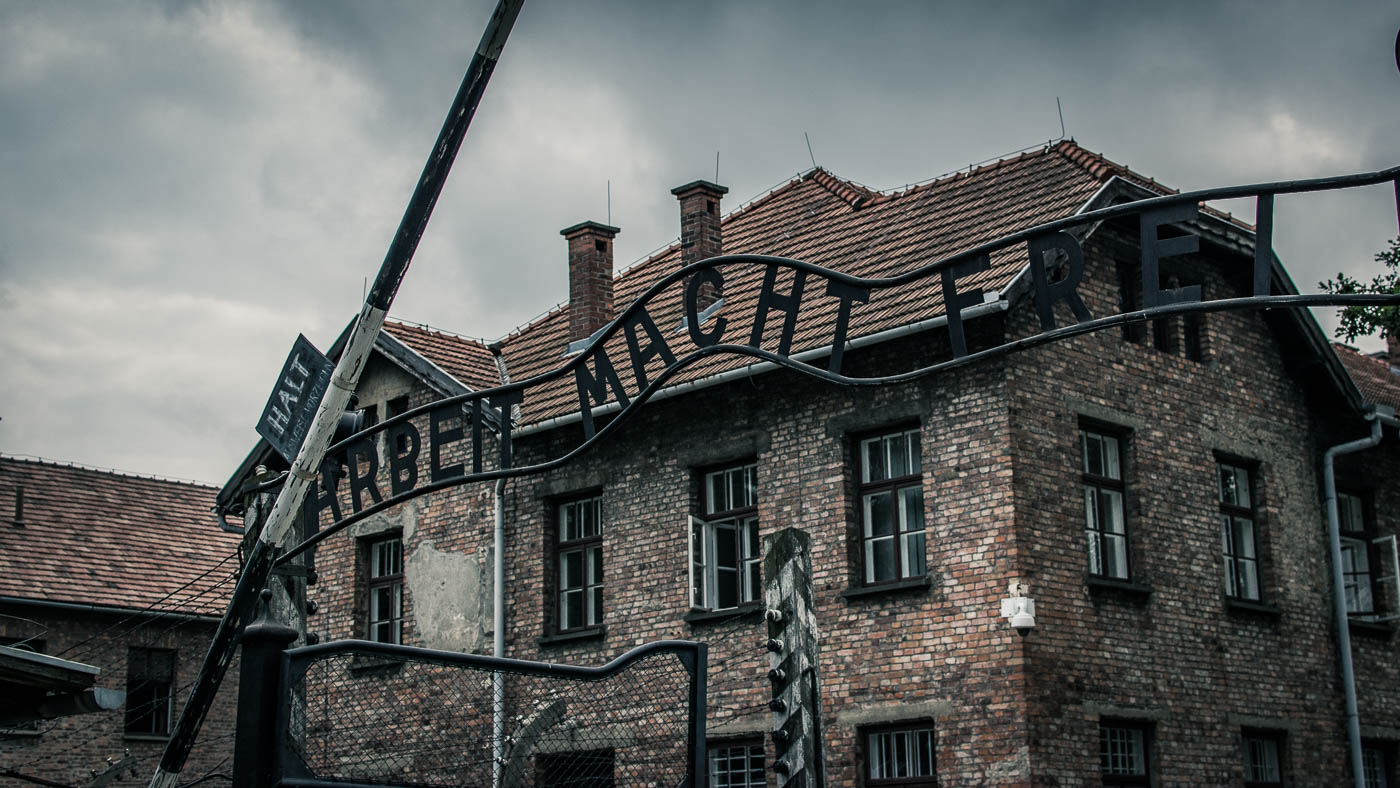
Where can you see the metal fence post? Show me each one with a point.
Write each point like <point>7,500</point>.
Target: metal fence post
<point>261,698</point>
<point>792,657</point>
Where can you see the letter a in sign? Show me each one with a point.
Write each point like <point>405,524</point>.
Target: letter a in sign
<point>287,417</point>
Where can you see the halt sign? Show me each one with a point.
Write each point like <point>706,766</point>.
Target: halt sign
<point>287,417</point>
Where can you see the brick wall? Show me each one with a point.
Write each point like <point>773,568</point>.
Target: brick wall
<point>70,747</point>
<point>1001,486</point>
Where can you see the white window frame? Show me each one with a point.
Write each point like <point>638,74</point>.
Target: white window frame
<point>704,537</point>
<point>377,580</point>
<point>751,773</point>
<point>588,544</point>
<point>907,538</point>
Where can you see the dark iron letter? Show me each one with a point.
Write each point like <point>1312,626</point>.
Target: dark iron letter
<point>361,483</point>
<point>502,403</point>
<point>1042,253</point>
<point>954,302</point>
<point>789,304</point>
<point>476,435</point>
<point>321,497</point>
<point>1154,249</point>
<point>692,307</point>
<point>1263,243</point>
<point>847,294</point>
<point>439,438</point>
<point>403,467</point>
<point>656,345</point>
<point>593,389</point>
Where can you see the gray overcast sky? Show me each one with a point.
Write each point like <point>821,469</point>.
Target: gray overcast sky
<point>186,186</point>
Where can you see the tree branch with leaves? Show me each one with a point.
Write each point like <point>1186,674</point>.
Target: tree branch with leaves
<point>1359,321</point>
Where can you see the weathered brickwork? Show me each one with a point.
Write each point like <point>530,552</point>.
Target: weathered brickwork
<point>69,748</point>
<point>1172,651</point>
<point>1002,492</point>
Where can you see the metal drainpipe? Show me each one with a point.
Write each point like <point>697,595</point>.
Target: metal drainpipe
<point>498,626</point>
<point>1339,599</point>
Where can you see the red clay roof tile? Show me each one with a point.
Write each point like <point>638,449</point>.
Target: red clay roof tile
<point>1373,376</point>
<point>825,220</point>
<point>105,538</point>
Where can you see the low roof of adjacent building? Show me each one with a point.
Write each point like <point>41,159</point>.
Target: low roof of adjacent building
<point>94,538</point>
<point>1373,375</point>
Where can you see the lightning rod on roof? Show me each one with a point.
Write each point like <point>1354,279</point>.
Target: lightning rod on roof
<point>1061,112</point>
<point>716,166</point>
<point>610,201</point>
<point>809,150</point>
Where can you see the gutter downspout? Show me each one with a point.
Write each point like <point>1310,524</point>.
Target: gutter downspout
<point>498,636</point>
<point>1339,600</point>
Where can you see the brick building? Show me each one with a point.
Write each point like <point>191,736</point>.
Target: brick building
<point>1155,488</point>
<point>125,573</point>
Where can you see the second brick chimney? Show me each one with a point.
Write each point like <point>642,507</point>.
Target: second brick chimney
<point>701,236</point>
<point>590,277</point>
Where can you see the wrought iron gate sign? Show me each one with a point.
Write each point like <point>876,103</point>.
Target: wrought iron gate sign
<point>458,424</point>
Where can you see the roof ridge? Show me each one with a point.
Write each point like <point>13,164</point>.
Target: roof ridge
<point>32,459</point>
<point>435,330</point>
<point>855,194</point>
<point>1103,168</point>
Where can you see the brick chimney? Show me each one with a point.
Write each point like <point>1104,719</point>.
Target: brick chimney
<point>701,237</point>
<point>590,277</point>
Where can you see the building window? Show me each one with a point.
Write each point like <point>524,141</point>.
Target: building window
<point>736,764</point>
<point>1356,555</point>
<point>891,507</point>
<point>1263,759</point>
<point>386,590</point>
<point>1123,754</point>
<point>1105,528</point>
<point>724,546</point>
<point>150,680</point>
<point>1237,531</point>
<point>900,756</point>
<point>397,407</point>
<point>580,563</point>
<point>1377,764</point>
<point>582,769</point>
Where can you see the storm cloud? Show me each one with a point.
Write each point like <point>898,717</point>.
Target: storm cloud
<point>184,187</point>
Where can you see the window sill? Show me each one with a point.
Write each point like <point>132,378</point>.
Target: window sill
<point>592,633</point>
<point>1378,630</point>
<point>153,737</point>
<point>913,584</point>
<point>702,616</point>
<point>1113,587</point>
<point>1252,608</point>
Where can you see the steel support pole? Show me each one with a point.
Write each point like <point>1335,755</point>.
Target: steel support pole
<point>343,381</point>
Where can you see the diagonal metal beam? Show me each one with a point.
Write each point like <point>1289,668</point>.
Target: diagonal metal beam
<point>343,381</point>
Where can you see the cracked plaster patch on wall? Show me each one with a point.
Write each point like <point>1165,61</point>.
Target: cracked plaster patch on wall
<point>451,597</point>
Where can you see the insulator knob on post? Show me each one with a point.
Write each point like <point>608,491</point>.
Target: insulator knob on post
<point>776,675</point>
<point>778,704</point>
<point>773,614</point>
<point>780,767</point>
<point>774,645</point>
<point>780,737</point>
